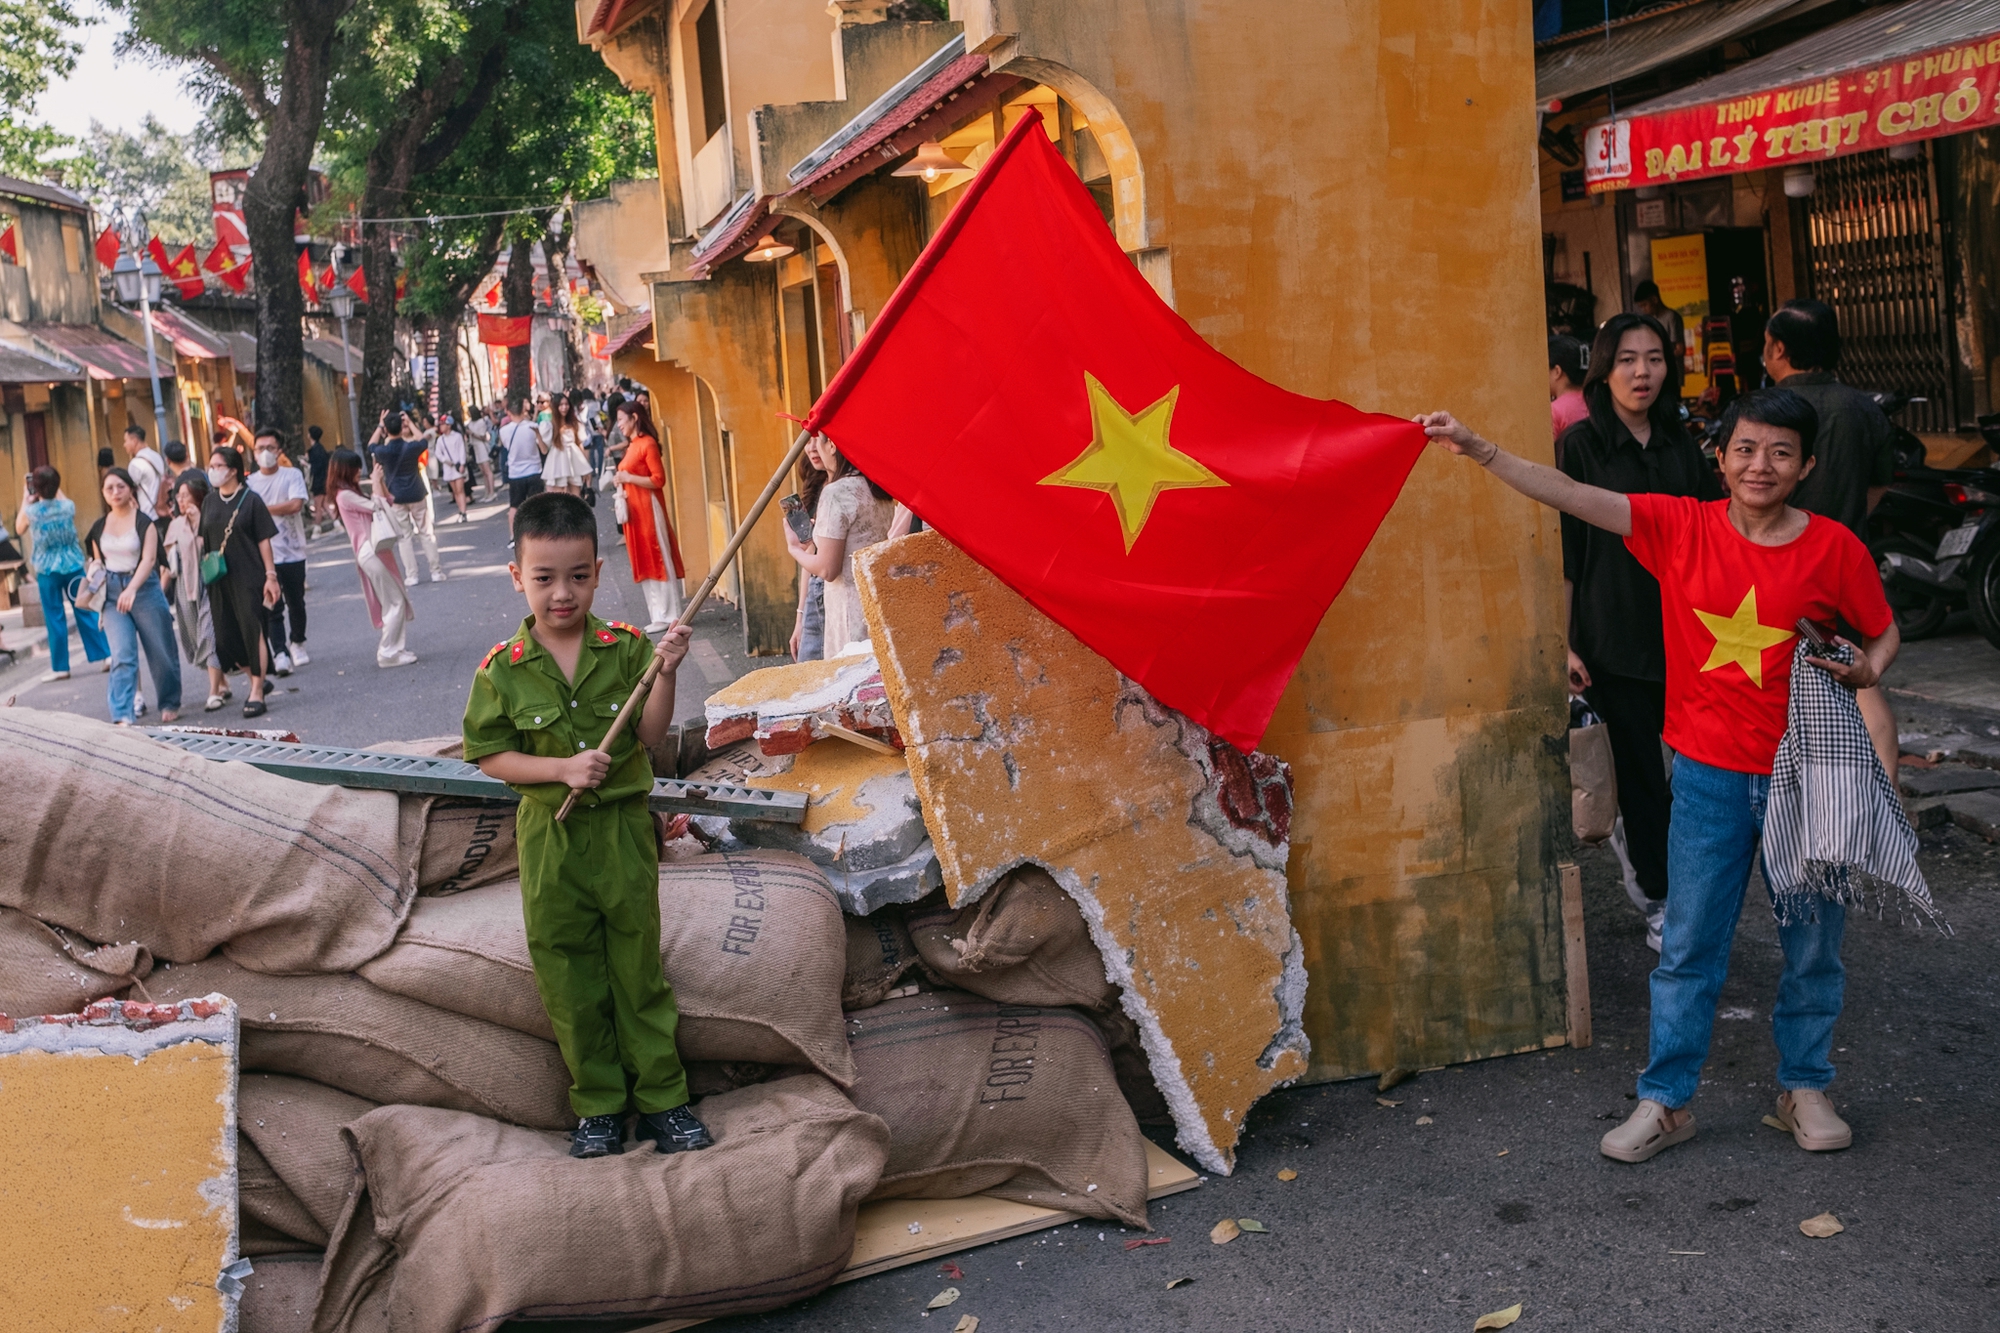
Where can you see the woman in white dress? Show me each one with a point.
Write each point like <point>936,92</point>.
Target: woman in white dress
<point>566,467</point>
<point>448,451</point>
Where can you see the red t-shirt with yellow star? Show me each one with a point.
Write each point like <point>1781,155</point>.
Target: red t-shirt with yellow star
<point>1730,607</point>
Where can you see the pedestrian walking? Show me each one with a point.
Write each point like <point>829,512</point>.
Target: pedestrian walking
<point>397,449</point>
<point>389,607</point>
<point>565,465</point>
<point>55,557</point>
<point>316,459</point>
<point>1735,577</point>
<point>524,450</point>
<point>283,490</point>
<point>1566,375</point>
<point>854,514</point>
<point>650,543</point>
<point>179,468</point>
<point>126,541</point>
<point>148,471</point>
<point>193,622</point>
<point>240,572</point>
<point>479,447</point>
<point>809,627</point>
<point>448,457</point>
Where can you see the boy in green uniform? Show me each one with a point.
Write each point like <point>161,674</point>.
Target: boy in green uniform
<point>590,886</point>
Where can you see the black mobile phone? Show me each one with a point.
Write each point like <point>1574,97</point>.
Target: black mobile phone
<point>1821,641</point>
<point>797,519</point>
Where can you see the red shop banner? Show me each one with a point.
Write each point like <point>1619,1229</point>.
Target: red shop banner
<point>1944,91</point>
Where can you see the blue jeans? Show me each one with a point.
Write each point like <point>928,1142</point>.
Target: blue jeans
<point>812,633</point>
<point>57,590</point>
<point>1717,818</point>
<point>148,622</point>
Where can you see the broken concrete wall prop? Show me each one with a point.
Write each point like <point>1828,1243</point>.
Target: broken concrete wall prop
<point>295,1124</point>
<point>1011,1100</point>
<point>47,970</point>
<point>475,1223</point>
<point>1023,942</point>
<point>752,943</point>
<point>268,1201</point>
<point>289,876</point>
<point>357,1037</point>
<point>786,708</point>
<point>118,1166</point>
<point>1026,747</point>
<point>879,954</point>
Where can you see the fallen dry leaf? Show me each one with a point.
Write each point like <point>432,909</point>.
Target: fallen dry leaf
<point>1776,1123</point>
<point>1224,1231</point>
<point>1391,1077</point>
<point>943,1298</point>
<point>1288,1174</point>
<point>967,1323</point>
<point>1499,1318</point>
<point>1385,1101</point>
<point>1147,1240</point>
<point>1819,1228</point>
<point>1425,1120</point>
<point>1252,1224</point>
<point>950,1270</point>
<point>1179,1282</point>
<point>1501,1153</point>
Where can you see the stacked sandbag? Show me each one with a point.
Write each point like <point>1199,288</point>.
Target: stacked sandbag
<point>465,1223</point>
<point>753,943</point>
<point>1024,942</point>
<point>119,837</point>
<point>294,1125</point>
<point>278,1297</point>
<point>340,1030</point>
<point>879,954</point>
<point>47,970</point>
<point>465,844</point>
<point>1013,1100</point>
<point>274,1221</point>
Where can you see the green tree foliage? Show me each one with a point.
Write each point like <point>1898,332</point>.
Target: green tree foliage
<point>157,171</point>
<point>36,48</point>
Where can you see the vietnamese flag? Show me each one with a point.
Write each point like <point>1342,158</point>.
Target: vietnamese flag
<point>186,274</point>
<point>159,255</point>
<point>237,279</point>
<point>506,330</point>
<point>306,284</point>
<point>1028,394</point>
<point>108,247</point>
<point>358,284</point>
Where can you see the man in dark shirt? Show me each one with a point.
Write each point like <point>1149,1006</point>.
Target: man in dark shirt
<point>1855,455</point>
<point>1615,621</point>
<point>317,458</point>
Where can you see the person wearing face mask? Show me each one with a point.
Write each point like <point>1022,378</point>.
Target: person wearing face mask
<point>236,525</point>
<point>284,492</point>
<point>1631,441</point>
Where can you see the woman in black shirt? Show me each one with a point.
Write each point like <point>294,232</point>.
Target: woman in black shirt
<point>235,522</point>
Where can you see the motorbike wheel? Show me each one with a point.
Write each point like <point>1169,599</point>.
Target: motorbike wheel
<point>1920,612</point>
<point>1982,586</point>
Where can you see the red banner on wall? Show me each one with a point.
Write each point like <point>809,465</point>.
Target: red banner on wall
<point>505,330</point>
<point>1946,90</point>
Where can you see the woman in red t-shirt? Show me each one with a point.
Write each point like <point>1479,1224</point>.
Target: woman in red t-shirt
<point>1735,577</point>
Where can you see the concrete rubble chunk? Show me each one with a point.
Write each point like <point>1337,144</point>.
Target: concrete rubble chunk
<point>118,1149</point>
<point>1027,747</point>
<point>1976,812</point>
<point>786,708</point>
<point>863,826</point>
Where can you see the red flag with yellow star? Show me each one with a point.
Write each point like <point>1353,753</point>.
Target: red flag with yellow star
<point>1028,395</point>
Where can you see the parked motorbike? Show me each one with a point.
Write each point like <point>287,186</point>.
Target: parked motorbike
<point>1936,536</point>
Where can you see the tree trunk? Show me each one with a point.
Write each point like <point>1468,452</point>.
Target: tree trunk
<point>518,290</point>
<point>555,254</point>
<point>450,397</point>
<point>378,320</point>
<point>275,192</point>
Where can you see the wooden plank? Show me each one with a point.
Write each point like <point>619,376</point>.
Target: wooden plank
<point>883,1239</point>
<point>1576,964</point>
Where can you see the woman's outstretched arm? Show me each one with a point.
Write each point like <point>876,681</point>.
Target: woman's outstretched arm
<point>1558,490</point>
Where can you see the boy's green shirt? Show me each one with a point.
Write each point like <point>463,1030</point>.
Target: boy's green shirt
<point>521,701</point>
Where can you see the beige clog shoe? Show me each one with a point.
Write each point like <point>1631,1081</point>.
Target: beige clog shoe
<point>1813,1123</point>
<point>1648,1131</point>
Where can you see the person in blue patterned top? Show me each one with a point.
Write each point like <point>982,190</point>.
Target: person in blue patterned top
<point>48,525</point>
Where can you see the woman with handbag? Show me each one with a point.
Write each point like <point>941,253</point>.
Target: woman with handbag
<point>649,535</point>
<point>192,621</point>
<point>126,544</point>
<point>373,538</point>
<point>48,523</point>
<point>239,571</point>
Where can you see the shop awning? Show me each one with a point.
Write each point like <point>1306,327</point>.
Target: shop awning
<point>105,355</point>
<point>611,15</point>
<point>1893,75</point>
<point>188,337</point>
<point>633,339</point>
<point>1588,58</point>
<point>22,365</point>
<point>733,233</point>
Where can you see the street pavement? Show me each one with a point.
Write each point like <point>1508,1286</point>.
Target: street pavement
<point>1392,1224</point>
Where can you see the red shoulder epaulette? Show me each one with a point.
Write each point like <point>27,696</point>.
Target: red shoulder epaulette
<point>495,653</point>
<point>633,630</point>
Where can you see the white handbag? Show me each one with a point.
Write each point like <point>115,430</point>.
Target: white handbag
<point>382,533</point>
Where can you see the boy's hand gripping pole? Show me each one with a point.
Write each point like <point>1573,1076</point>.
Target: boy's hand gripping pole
<point>638,699</point>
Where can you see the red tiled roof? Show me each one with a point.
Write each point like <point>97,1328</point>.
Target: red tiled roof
<point>104,354</point>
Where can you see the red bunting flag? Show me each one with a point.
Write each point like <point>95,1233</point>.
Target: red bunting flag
<point>157,252</point>
<point>1184,518</point>
<point>10,245</point>
<point>237,279</point>
<point>220,259</point>
<point>306,283</point>
<point>493,295</point>
<point>505,330</point>
<point>108,247</point>
<point>186,274</point>
<point>330,278</point>
<point>358,284</point>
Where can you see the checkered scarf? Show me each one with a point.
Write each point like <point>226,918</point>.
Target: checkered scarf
<point>1834,827</point>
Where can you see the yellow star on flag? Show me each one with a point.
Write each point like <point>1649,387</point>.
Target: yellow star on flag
<point>1741,639</point>
<point>1130,458</point>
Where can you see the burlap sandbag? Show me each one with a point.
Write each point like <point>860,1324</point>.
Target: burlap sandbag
<point>119,837</point>
<point>46,970</point>
<point>472,1223</point>
<point>1133,1070</point>
<point>466,844</point>
<point>752,942</point>
<point>1024,942</point>
<point>264,1197</point>
<point>424,747</point>
<point>361,1039</point>
<point>295,1125</point>
<point>988,1098</point>
<point>279,1296</point>
<point>879,952</point>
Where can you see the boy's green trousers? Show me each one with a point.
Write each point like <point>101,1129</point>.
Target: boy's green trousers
<point>590,890</point>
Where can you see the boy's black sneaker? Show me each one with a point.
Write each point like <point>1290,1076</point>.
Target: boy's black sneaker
<point>598,1136</point>
<point>675,1131</point>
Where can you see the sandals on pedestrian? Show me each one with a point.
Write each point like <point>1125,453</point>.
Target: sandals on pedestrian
<point>254,708</point>
<point>1645,1133</point>
<point>1812,1122</point>
<point>215,701</point>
